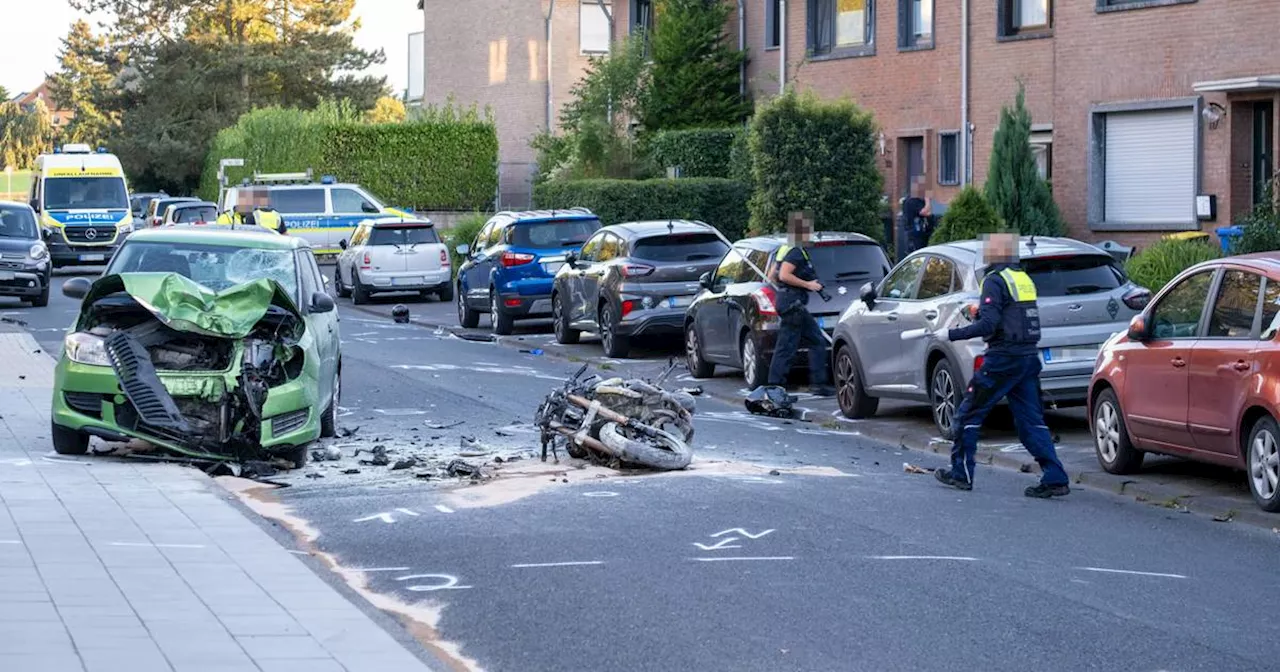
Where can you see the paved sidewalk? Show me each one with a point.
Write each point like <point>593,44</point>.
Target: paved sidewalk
<point>113,566</point>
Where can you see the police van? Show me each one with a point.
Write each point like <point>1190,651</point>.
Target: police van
<point>83,203</point>
<point>322,213</point>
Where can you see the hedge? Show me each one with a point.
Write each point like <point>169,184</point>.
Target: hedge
<point>968,216</point>
<point>1155,266</point>
<point>719,202</point>
<point>698,152</point>
<point>442,161</point>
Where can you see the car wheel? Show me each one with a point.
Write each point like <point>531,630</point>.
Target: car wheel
<point>68,441</point>
<point>850,394</point>
<point>329,420</point>
<point>945,396</point>
<point>755,368</point>
<point>445,293</point>
<point>41,300</point>
<point>359,295</point>
<point>565,334</point>
<point>615,345</point>
<point>1264,464</point>
<point>295,454</point>
<point>343,291</point>
<point>698,367</point>
<point>1111,441</point>
<point>467,318</point>
<point>503,324</point>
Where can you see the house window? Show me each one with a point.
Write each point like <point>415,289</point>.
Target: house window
<point>915,24</point>
<point>642,15</point>
<point>841,26</point>
<point>1019,17</point>
<point>949,157</point>
<point>1119,5</point>
<point>593,26</point>
<point>772,26</point>
<point>1145,166</point>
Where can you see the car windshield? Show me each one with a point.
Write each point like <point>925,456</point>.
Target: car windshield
<point>203,213</point>
<point>680,247</point>
<point>552,233</point>
<point>17,223</point>
<point>848,261</point>
<point>84,193</point>
<point>403,235</point>
<point>217,267</point>
<point>1074,275</point>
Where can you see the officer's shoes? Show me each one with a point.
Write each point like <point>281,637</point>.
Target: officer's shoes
<point>1043,491</point>
<point>944,477</point>
<point>822,391</point>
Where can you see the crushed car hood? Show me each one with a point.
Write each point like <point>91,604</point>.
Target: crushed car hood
<point>184,305</point>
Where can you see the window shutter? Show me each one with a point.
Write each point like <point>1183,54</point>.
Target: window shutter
<point>1150,165</point>
<point>904,23</point>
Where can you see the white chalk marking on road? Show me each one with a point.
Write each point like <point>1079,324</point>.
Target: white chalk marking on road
<point>1104,570</point>
<point>600,494</point>
<point>399,411</point>
<point>558,564</point>
<point>960,558</point>
<point>299,552</point>
<point>739,530</point>
<point>145,544</point>
<point>744,558</point>
<point>450,582</point>
<point>384,517</point>
<point>17,462</point>
<point>443,509</point>
<point>718,546</point>
<point>15,542</point>
<point>364,333</point>
<point>386,569</point>
<point>410,512</point>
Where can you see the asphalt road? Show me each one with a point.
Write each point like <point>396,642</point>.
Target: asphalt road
<point>840,560</point>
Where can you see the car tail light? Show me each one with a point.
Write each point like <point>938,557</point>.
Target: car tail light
<point>829,243</point>
<point>444,258</point>
<point>510,259</point>
<point>977,363</point>
<point>636,270</point>
<point>766,301</point>
<point>1138,298</point>
<point>511,303</point>
<point>366,262</point>
<point>627,307</point>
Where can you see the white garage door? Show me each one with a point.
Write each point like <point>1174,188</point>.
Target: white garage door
<point>1151,168</point>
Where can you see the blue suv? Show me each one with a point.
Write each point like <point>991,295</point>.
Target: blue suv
<point>512,264</point>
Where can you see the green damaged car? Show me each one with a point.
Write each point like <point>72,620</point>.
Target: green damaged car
<point>218,345</point>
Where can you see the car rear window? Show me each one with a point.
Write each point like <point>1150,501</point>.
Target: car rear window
<point>553,233</point>
<point>1075,275</point>
<point>204,213</point>
<point>403,235</point>
<point>848,261</point>
<point>679,247</point>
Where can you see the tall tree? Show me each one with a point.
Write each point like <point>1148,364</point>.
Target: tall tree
<point>24,135</point>
<point>696,72</point>
<point>1014,187</point>
<point>84,83</point>
<point>4,95</point>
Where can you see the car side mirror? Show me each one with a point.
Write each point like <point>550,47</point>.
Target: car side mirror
<point>868,294</point>
<point>342,243</point>
<point>76,288</point>
<point>705,281</point>
<point>46,233</point>
<point>571,258</point>
<point>369,208</point>
<point>35,205</point>
<point>463,250</point>
<point>1138,328</point>
<point>322,303</point>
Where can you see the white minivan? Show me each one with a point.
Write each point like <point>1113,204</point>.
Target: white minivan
<point>393,254</point>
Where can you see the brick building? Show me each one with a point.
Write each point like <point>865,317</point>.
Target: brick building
<point>1139,106</point>
<point>27,101</point>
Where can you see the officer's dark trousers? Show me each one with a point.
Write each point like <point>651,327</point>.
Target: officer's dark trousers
<point>1018,378</point>
<point>798,326</point>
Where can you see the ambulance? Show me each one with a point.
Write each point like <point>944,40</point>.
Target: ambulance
<point>83,203</point>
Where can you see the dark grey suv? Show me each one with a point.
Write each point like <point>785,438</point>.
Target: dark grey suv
<point>633,280</point>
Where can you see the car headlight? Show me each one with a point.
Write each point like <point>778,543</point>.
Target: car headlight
<point>126,227</point>
<point>85,348</point>
<point>38,252</point>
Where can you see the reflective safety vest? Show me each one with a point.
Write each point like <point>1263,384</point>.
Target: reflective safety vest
<point>268,219</point>
<point>1020,322</point>
<point>230,217</point>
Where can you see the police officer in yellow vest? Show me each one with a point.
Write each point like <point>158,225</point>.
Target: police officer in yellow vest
<point>253,208</point>
<point>795,276</point>
<point>1009,321</point>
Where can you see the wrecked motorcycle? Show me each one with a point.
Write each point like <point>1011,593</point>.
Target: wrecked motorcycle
<point>631,422</point>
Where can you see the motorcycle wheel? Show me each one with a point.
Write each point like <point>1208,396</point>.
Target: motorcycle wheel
<point>664,452</point>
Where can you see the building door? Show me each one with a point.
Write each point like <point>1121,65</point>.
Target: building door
<point>1263,146</point>
<point>913,166</point>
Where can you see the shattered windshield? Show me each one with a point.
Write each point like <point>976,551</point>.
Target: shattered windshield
<point>217,267</point>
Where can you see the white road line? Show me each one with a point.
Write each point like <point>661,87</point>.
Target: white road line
<point>386,569</point>
<point>923,557</point>
<point>559,564</point>
<point>782,557</point>
<point>443,509</point>
<point>150,545</point>
<point>15,542</point>
<point>1104,570</point>
<point>408,511</point>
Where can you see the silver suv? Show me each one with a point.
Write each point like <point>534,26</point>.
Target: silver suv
<point>1084,298</point>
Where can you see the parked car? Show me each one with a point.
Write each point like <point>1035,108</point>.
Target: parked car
<point>191,213</point>
<point>213,343</point>
<point>139,203</point>
<point>25,269</point>
<point>393,254</point>
<point>512,264</point>
<point>1197,375</point>
<point>159,207</point>
<point>633,280</point>
<point>734,321</point>
<point>1084,297</point>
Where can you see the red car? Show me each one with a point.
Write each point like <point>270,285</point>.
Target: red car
<point>1198,375</point>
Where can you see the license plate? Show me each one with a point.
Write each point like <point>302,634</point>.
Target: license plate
<point>679,301</point>
<point>93,257</point>
<point>406,281</point>
<point>1076,354</point>
<point>6,275</point>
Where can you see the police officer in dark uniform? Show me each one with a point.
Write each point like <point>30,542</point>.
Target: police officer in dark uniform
<point>1009,321</point>
<point>795,276</point>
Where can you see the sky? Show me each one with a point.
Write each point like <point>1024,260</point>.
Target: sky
<point>31,45</point>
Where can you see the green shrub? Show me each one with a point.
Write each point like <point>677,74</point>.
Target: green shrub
<point>740,158</point>
<point>1155,266</point>
<point>1261,226</point>
<point>463,233</point>
<point>698,152</point>
<point>719,202</point>
<point>442,159</point>
<point>809,154</point>
<point>968,216</point>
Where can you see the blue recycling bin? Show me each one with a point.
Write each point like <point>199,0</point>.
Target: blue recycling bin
<point>1228,236</point>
